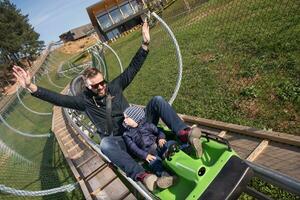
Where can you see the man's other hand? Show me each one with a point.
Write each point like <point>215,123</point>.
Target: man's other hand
<point>161,142</point>
<point>24,78</point>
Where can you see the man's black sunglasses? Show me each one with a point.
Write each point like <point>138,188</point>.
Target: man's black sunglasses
<point>102,83</point>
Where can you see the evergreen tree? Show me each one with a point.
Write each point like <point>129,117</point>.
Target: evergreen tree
<point>18,38</point>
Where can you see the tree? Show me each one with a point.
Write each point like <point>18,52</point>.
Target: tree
<point>18,38</point>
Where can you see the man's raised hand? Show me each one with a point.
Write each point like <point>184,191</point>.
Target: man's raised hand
<point>22,76</point>
<point>146,33</point>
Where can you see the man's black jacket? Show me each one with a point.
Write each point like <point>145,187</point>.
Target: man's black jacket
<point>87,101</point>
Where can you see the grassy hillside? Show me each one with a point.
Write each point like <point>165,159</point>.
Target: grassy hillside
<point>241,63</point>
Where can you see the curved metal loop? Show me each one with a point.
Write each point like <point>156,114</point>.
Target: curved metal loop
<point>178,54</point>
<point>24,193</point>
<point>23,133</point>
<point>72,68</point>
<point>63,73</point>
<point>99,58</point>
<point>35,112</point>
<point>113,51</point>
<point>48,69</point>
<point>34,80</point>
<point>52,63</point>
<point>4,148</point>
<point>49,79</point>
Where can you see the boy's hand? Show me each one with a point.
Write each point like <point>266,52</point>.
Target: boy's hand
<point>161,142</point>
<point>150,157</point>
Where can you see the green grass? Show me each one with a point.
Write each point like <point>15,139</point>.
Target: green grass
<point>241,63</point>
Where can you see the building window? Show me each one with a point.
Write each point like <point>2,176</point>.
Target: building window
<point>116,15</point>
<point>135,6</point>
<point>112,34</point>
<point>104,21</point>
<point>127,10</point>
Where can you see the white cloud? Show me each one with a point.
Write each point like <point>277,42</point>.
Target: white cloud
<point>40,19</point>
<point>47,13</point>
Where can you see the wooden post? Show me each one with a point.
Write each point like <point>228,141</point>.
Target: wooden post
<point>222,134</point>
<point>258,150</point>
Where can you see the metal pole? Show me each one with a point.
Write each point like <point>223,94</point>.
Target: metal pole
<point>271,176</point>
<point>258,195</point>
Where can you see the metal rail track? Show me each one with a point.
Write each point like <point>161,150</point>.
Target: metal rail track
<point>95,176</point>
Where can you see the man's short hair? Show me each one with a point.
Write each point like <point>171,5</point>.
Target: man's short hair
<point>91,72</point>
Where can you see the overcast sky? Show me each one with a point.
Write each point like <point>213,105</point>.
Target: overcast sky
<point>50,18</point>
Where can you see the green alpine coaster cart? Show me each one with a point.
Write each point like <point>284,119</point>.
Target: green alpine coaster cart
<point>219,173</point>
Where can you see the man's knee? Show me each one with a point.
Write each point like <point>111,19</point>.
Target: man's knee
<point>106,144</point>
<point>158,99</point>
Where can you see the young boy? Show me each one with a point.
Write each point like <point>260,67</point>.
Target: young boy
<point>147,142</point>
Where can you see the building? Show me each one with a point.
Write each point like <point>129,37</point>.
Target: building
<point>77,33</point>
<point>111,18</point>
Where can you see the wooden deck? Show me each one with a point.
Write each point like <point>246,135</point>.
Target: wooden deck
<point>274,150</point>
<point>97,180</point>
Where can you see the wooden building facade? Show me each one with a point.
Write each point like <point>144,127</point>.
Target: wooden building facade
<point>111,18</point>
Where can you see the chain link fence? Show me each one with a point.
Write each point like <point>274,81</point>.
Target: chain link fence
<point>31,167</point>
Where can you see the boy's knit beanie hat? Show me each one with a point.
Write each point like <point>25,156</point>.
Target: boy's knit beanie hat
<point>136,113</point>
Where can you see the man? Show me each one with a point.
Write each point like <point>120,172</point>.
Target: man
<point>95,101</point>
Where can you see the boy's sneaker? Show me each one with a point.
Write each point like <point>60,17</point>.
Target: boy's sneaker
<point>150,181</point>
<point>194,139</point>
<point>166,181</point>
